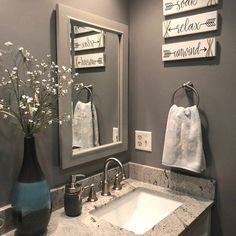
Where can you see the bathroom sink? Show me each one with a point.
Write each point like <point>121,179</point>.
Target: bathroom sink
<point>137,211</point>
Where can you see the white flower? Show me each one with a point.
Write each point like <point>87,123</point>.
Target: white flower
<point>34,108</point>
<point>1,106</point>
<point>30,121</point>
<point>15,69</point>
<point>50,122</point>
<point>8,44</point>
<point>29,100</point>
<point>5,116</point>
<point>20,49</point>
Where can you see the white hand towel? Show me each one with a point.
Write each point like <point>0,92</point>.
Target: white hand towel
<point>183,140</point>
<point>84,127</point>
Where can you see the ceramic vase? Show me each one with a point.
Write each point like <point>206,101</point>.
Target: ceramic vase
<point>31,200</point>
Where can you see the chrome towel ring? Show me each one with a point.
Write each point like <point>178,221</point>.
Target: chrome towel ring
<point>188,86</point>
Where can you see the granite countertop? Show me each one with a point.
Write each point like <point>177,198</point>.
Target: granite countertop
<point>88,225</point>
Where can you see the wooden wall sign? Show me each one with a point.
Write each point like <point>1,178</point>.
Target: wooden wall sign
<point>190,49</point>
<point>82,30</point>
<point>190,25</point>
<point>89,42</point>
<point>89,60</point>
<point>176,6</point>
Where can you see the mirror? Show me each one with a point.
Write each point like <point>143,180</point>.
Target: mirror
<point>97,49</point>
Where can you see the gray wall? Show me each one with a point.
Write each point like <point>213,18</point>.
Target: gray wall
<point>152,83</point>
<point>32,24</point>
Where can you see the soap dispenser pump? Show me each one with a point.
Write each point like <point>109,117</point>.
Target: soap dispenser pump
<point>73,196</point>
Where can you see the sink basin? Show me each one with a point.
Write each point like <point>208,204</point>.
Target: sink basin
<point>137,211</point>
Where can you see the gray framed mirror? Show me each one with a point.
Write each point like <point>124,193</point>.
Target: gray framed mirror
<point>97,49</point>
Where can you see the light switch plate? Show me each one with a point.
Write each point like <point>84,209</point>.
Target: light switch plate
<point>115,134</point>
<point>143,140</point>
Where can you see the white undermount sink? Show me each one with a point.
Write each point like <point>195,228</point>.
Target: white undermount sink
<point>137,211</point>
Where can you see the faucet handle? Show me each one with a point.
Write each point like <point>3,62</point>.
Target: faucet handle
<point>92,193</point>
<point>117,183</point>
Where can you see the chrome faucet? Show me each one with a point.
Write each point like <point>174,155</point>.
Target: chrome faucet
<point>105,183</point>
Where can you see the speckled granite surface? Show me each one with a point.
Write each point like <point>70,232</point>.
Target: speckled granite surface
<point>196,186</point>
<point>196,194</point>
<point>89,225</point>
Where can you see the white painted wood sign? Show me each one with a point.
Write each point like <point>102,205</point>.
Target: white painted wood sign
<point>81,30</point>
<point>176,6</point>
<point>189,49</point>
<point>89,42</point>
<point>190,25</point>
<point>89,60</point>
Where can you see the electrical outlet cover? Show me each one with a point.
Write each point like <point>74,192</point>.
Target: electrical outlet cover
<point>143,140</point>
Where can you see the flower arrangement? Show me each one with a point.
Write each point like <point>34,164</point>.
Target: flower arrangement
<point>29,90</point>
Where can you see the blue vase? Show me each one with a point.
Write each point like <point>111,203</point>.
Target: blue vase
<point>31,200</point>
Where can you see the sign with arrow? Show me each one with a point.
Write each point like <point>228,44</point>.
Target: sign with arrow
<point>89,60</point>
<point>89,42</point>
<point>190,49</point>
<point>190,25</point>
<point>176,6</point>
<point>82,30</point>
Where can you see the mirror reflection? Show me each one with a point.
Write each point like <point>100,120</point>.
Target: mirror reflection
<point>95,57</point>
<point>97,49</point>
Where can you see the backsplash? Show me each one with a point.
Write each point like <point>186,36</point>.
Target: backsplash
<point>199,187</point>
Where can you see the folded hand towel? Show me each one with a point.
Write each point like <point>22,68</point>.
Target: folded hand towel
<point>183,140</point>
<point>84,126</point>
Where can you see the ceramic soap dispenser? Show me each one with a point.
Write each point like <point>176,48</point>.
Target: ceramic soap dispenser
<point>73,196</point>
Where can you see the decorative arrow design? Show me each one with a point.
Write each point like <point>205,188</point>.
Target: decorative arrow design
<point>167,53</point>
<point>210,22</point>
<point>169,6</point>
<point>190,25</point>
<point>203,49</point>
<point>99,61</point>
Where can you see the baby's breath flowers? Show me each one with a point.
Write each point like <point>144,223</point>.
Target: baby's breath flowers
<point>30,89</point>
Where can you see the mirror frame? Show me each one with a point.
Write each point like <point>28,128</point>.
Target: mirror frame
<point>69,157</point>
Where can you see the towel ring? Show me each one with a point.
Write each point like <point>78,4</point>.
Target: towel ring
<point>89,90</point>
<point>187,86</point>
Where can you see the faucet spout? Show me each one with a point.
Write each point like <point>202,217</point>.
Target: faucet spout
<point>106,184</point>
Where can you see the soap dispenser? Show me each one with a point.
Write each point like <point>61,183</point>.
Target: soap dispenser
<point>73,196</point>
